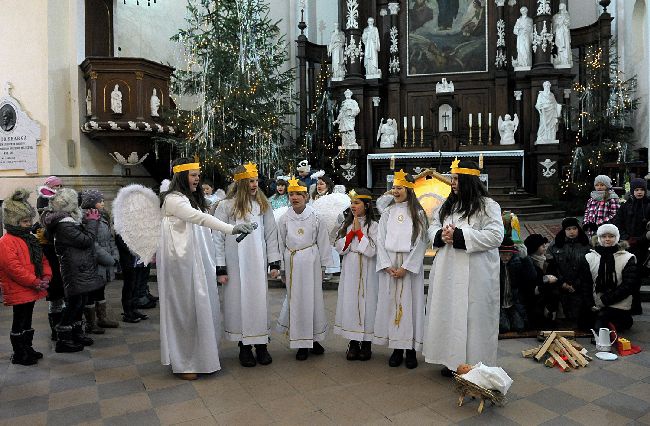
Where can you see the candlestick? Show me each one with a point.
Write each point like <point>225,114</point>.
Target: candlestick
<point>406,139</point>
<point>421,122</point>
<point>470,136</point>
<point>412,130</point>
<point>479,119</point>
<point>470,120</point>
<point>489,119</point>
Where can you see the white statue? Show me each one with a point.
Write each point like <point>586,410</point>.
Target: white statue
<point>155,103</point>
<point>524,32</point>
<point>370,39</point>
<point>507,128</point>
<point>346,121</point>
<point>336,50</point>
<point>549,112</point>
<point>387,133</point>
<point>89,103</point>
<point>562,31</point>
<point>116,100</point>
<point>445,86</point>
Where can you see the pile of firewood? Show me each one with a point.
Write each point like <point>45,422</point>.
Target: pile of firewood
<point>558,350</point>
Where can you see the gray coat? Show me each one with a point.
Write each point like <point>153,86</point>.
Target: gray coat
<point>107,254</point>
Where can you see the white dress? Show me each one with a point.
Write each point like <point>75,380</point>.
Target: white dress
<point>306,248</point>
<point>245,295</point>
<point>357,292</point>
<point>463,309</point>
<point>189,318</point>
<point>400,302</point>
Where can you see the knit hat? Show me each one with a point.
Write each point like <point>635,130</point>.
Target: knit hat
<point>17,208</point>
<point>534,242</point>
<point>53,181</point>
<point>90,197</point>
<point>608,228</point>
<point>304,166</point>
<point>604,179</point>
<point>570,221</point>
<point>507,246</point>
<point>65,200</point>
<point>638,183</point>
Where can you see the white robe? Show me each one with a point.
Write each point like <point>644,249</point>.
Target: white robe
<point>357,293</point>
<point>400,302</point>
<point>306,248</point>
<point>463,307</point>
<point>245,295</point>
<point>189,325</point>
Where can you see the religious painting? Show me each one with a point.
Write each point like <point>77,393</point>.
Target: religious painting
<point>447,36</point>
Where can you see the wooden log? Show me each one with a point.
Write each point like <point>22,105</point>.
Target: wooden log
<point>573,351</point>
<point>529,353</point>
<point>566,333</point>
<point>550,362</point>
<point>557,347</point>
<point>547,343</point>
<point>576,345</point>
<point>559,360</point>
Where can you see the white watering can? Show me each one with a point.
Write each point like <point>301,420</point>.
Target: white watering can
<point>603,342</point>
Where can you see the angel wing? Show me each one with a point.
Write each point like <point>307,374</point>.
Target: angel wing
<point>137,216</point>
<point>119,158</point>
<point>516,121</point>
<point>500,124</point>
<point>329,207</point>
<point>379,129</point>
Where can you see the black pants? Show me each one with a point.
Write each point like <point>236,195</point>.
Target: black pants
<point>621,319</point>
<point>96,295</point>
<point>73,311</point>
<point>22,317</point>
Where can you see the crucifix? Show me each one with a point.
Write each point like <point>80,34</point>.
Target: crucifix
<point>445,117</point>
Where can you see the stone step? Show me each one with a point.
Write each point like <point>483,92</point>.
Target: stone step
<point>548,215</point>
<point>533,208</point>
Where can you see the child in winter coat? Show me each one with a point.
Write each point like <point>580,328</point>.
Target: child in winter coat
<point>539,295</point>
<point>515,276</point>
<point>305,248</point>
<point>611,273</point>
<point>602,206</point>
<point>357,292</point>
<point>24,274</point>
<point>280,198</point>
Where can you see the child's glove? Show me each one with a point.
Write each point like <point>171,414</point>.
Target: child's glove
<point>243,228</point>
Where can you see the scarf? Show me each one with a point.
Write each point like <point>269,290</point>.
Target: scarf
<point>600,195</point>
<point>538,260</point>
<point>606,279</point>
<point>35,251</point>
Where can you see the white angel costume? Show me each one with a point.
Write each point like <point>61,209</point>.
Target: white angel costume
<point>491,378</point>
<point>462,324</point>
<point>306,248</point>
<point>245,296</point>
<point>357,293</point>
<point>400,302</point>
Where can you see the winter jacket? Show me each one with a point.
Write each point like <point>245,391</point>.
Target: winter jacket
<point>564,260</point>
<point>74,244</point>
<point>631,219</point>
<point>626,279</point>
<point>17,273</point>
<point>107,253</point>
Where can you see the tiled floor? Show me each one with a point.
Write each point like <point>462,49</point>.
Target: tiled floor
<point>119,380</point>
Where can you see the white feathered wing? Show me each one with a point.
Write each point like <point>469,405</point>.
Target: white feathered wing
<point>137,217</point>
<point>329,207</point>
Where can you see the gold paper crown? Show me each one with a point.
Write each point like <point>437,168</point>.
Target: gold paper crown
<point>462,170</point>
<point>399,179</point>
<point>250,173</point>
<point>354,196</point>
<point>294,185</point>
<point>186,166</point>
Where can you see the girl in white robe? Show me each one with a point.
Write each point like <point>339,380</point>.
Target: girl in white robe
<point>462,323</point>
<point>306,248</point>
<point>188,322</point>
<point>401,245</point>
<point>357,292</point>
<point>242,267</point>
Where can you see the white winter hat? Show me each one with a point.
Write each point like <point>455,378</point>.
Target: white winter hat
<point>304,166</point>
<point>604,179</point>
<point>608,228</point>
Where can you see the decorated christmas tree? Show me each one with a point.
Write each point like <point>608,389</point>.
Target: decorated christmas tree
<point>237,75</point>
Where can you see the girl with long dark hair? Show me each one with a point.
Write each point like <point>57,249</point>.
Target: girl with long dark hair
<point>462,324</point>
<point>357,292</point>
<point>401,244</point>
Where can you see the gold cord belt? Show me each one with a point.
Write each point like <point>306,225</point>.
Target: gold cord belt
<point>398,301</point>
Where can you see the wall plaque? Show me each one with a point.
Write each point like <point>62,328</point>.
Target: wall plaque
<point>19,135</point>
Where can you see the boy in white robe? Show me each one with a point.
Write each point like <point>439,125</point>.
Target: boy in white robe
<point>401,245</point>
<point>357,292</point>
<point>306,248</point>
<point>242,267</point>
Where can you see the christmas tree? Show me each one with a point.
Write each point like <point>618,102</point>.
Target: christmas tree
<point>236,71</point>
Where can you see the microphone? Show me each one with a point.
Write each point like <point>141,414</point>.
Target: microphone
<point>240,237</point>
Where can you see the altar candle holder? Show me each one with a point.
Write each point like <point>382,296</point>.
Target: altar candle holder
<point>421,131</point>
<point>490,129</point>
<point>469,142</point>
<point>480,134</point>
<point>406,137</point>
<point>413,131</point>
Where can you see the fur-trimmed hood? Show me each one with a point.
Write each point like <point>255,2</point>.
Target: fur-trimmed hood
<point>17,208</point>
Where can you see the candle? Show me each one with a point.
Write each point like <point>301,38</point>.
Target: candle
<point>413,122</point>
<point>470,119</point>
<point>479,119</point>
<point>421,122</point>
<point>490,119</point>
<point>406,123</point>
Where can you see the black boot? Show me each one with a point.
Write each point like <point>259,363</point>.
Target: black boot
<point>79,336</point>
<point>302,354</point>
<point>20,355</point>
<point>130,318</point>
<point>54,319</point>
<point>317,349</point>
<point>28,337</point>
<point>64,341</point>
<point>91,320</point>
<point>246,358</point>
<point>353,351</point>
<point>411,360</point>
<point>262,354</point>
<point>366,351</point>
<point>396,358</point>
<point>139,314</point>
